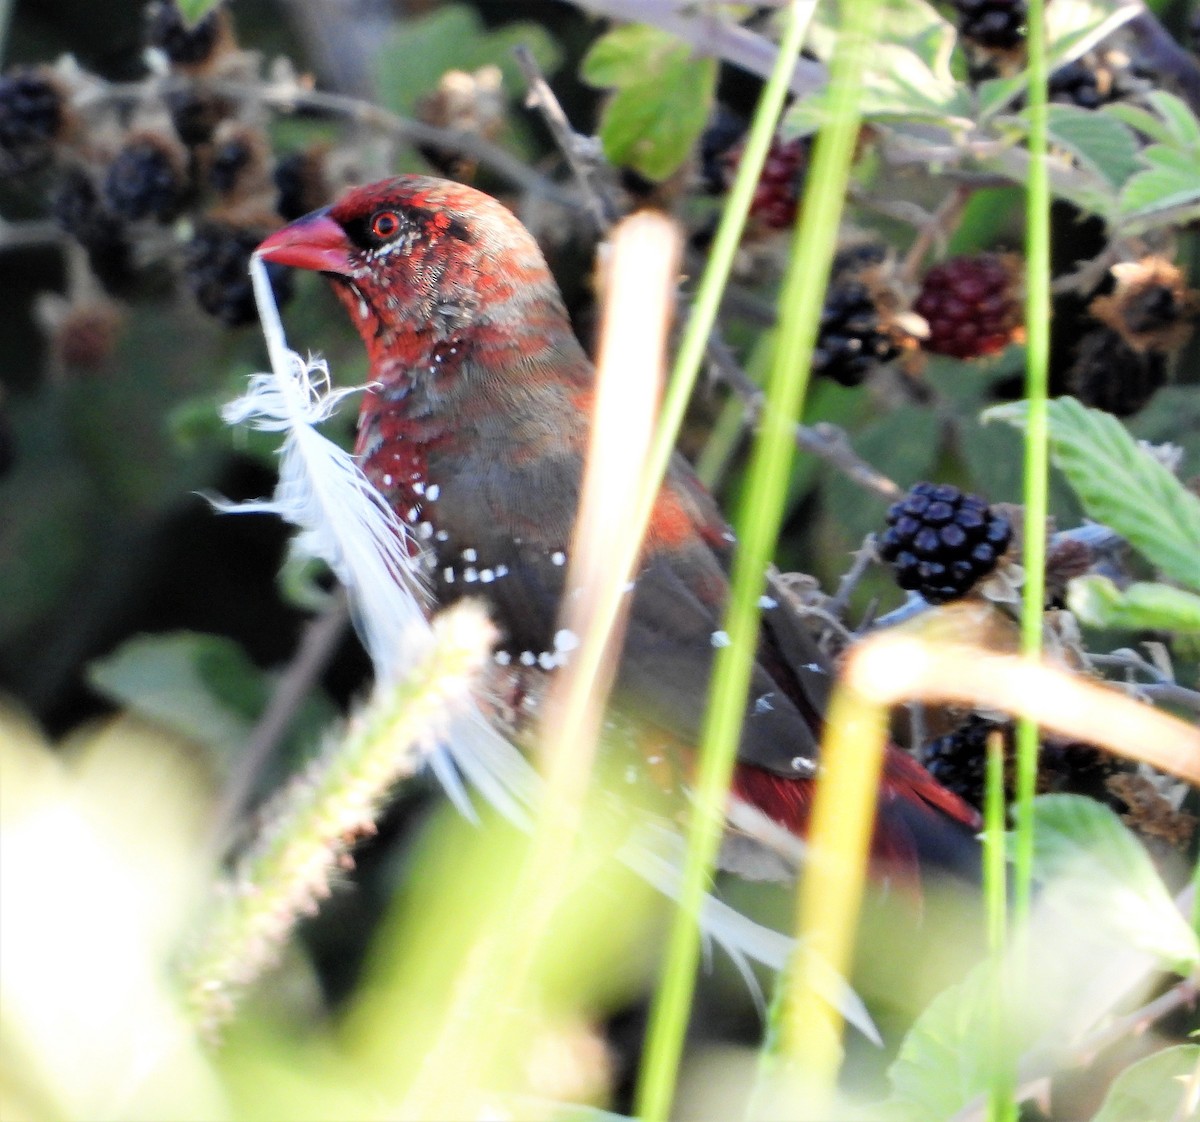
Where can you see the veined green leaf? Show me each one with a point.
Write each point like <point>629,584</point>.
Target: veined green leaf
<point>1100,603</point>
<point>1180,121</point>
<point>1121,485</point>
<point>662,99</point>
<point>1104,145</point>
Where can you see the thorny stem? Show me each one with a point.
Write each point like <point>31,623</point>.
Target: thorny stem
<point>935,231</point>
<point>317,646</point>
<point>289,96</point>
<point>569,142</point>
<point>864,557</point>
<point>826,441</point>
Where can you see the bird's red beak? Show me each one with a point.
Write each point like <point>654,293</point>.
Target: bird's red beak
<point>314,242</point>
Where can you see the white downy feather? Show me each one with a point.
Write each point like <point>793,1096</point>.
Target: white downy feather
<point>344,521</point>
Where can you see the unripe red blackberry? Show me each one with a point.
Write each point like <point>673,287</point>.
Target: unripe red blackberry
<point>940,541</point>
<point>997,25</point>
<point>779,184</point>
<point>970,306</point>
<point>145,180</point>
<point>32,115</point>
<point>216,266</point>
<point>185,45</point>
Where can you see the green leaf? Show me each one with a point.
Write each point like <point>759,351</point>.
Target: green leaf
<point>1146,123</point>
<point>1170,181</point>
<point>1157,1087</point>
<point>662,100</point>
<point>940,1065</point>
<point>1104,145</point>
<point>1121,485</point>
<point>194,10</point>
<point>1106,873</point>
<point>1180,121</point>
<point>1100,603</point>
<point>417,52</point>
<point>203,687</point>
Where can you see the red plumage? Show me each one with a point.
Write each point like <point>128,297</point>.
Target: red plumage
<point>475,428</point>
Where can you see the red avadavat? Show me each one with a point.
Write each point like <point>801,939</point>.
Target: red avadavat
<point>475,429</point>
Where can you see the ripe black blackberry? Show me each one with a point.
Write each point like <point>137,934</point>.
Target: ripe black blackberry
<point>216,266</point>
<point>229,160</point>
<point>79,209</point>
<point>183,44</point>
<point>1076,84</point>
<point>32,115</point>
<point>725,131</point>
<point>970,306</point>
<point>1111,375</point>
<point>850,338</point>
<point>958,760</point>
<point>145,180</point>
<point>940,541</point>
<point>997,25</point>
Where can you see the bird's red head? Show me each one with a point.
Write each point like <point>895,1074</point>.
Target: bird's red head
<point>417,260</point>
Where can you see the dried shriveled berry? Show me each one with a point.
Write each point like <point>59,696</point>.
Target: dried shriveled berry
<point>1109,374</point>
<point>185,45</point>
<point>849,340</point>
<point>79,209</point>
<point>1148,304</point>
<point>216,267</point>
<point>195,114</point>
<point>970,306</point>
<point>145,180</point>
<point>940,542</point>
<point>997,25</point>
<point>32,116</point>
<point>1075,84</point>
<point>301,183</point>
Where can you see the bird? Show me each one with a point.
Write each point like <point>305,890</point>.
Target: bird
<point>474,428</point>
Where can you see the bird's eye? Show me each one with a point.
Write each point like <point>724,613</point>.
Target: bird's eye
<point>384,224</point>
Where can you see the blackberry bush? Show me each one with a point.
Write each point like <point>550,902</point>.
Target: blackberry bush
<point>940,542</point>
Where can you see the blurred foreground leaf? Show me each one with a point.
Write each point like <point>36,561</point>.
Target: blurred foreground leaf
<point>1107,874</point>
<point>1160,1086</point>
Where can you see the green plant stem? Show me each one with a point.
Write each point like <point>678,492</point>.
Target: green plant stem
<point>669,1016</point>
<point>1036,483</point>
<point>1003,1076</point>
<point>1037,320</point>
